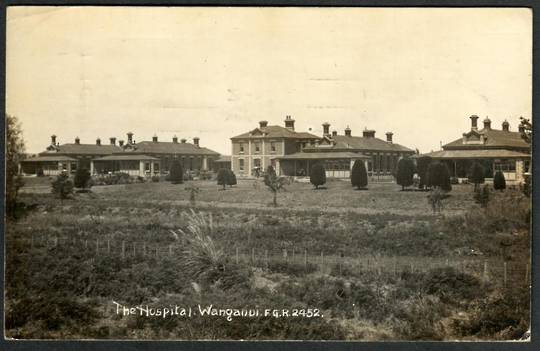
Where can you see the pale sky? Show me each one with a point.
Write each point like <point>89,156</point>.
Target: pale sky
<point>215,72</point>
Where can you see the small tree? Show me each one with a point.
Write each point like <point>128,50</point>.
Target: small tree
<point>193,191</point>
<point>359,175</point>
<point>14,155</point>
<point>62,186</point>
<point>499,183</point>
<point>476,174</point>
<point>482,195</point>
<point>405,172</point>
<point>82,179</point>
<point>176,172</point>
<point>231,178</point>
<point>422,165</point>
<point>435,200</point>
<point>274,183</point>
<point>223,177</point>
<point>317,176</point>
<point>438,176</point>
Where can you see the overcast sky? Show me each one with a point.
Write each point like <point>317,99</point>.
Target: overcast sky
<point>215,72</point>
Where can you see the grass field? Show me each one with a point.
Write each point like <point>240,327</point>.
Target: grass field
<point>345,252</point>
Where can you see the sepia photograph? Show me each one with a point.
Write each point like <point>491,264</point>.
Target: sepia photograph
<point>268,173</point>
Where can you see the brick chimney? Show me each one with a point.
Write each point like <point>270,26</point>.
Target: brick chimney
<point>326,129</point>
<point>334,133</point>
<point>474,122</point>
<point>348,131</point>
<point>130,138</point>
<point>77,140</point>
<point>183,141</point>
<point>368,133</point>
<point>53,139</point>
<point>98,141</point>
<point>389,137</point>
<point>154,139</point>
<point>196,141</point>
<point>487,123</point>
<point>505,126</point>
<point>121,142</point>
<point>289,122</point>
<point>263,124</point>
<point>112,140</point>
<point>175,139</point>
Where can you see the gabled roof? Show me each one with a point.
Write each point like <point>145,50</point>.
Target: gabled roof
<point>275,132</point>
<point>475,154</point>
<point>322,155</point>
<point>342,142</point>
<point>82,149</point>
<point>494,139</point>
<point>160,147</point>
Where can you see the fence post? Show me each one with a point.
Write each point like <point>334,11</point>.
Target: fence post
<point>485,275</point>
<point>293,256</point>
<point>86,244</point>
<point>252,255</point>
<point>123,249</point>
<point>305,257</point>
<point>134,250</point>
<point>32,241</point>
<point>526,274</point>
<point>322,260</point>
<point>266,258</point>
<point>170,250</point>
<point>55,241</point>
<point>237,255</point>
<point>412,267</point>
<point>144,249</point>
<point>505,275</point>
<point>395,266</point>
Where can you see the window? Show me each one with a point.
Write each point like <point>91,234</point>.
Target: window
<point>241,147</point>
<point>73,167</point>
<point>273,146</point>
<point>257,162</point>
<point>257,147</point>
<point>505,166</point>
<point>156,167</point>
<point>147,166</point>
<point>241,164</point>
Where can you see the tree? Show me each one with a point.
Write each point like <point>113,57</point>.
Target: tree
<point>359,175</point>
<point>231,178</point>
<point>525,126</point>
<point>482,195</point>
<point>476,175</point>
<point>62,186</point>
<point>176,172</point>
<point>274,183</point>
<point>405,172</point>
<point>14,155</point>
<point>223,177</point>
<point>438,176</point>
<point>499,183</point>
<point>82,178</point>
<point>317,176</point>
<point>422,164</point>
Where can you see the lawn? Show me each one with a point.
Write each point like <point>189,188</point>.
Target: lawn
<point>409,273</point>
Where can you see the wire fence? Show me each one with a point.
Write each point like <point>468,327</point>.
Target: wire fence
<point>497,271</point>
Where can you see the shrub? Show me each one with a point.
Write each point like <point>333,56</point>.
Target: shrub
<point>62,186</point>
<point>405,172</point>
<point>482,195</point>
<point>193,191</point>
<point>359,175</point>
<point>82,178</point>
<point>223,177</point>
<point>40,172</point>
<point>317,175</point>
<point>438,176</point>
<point>499,183</point>
<point>476,174</point>
<point>14,153</point>
<point>422,165</point>
<point>176,172</point>
<point>435,200</point>
<point>231,178</point>
<point>155,179</point>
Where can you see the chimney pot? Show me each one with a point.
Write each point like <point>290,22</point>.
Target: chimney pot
<point>121,142</point>
<point>506,126</point>
<point>334,133</point>
<point>289,123</point>
<point>263,124</point>
<point>389,137</point>
<point>326,129</point>
<point>474,122</point>
<point>368,133</point>
<point>175,139</point>
<point>112,140</point>
<point>77,140</point>
<point>130,138</point>
<point>348,131</point>
<point>53,139</point>
<point>183,141</point>
<point>98,141</point>
<point>521,129</point>
<point>487,123</point>
<point>196,141</point>
<point>155,139</point>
